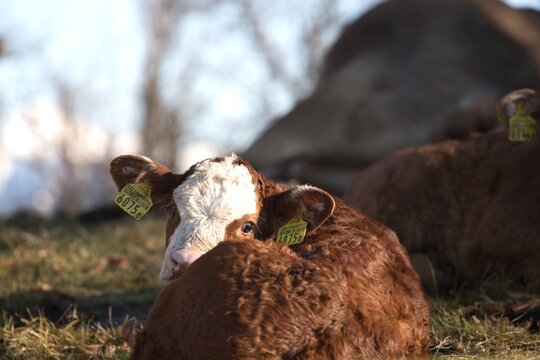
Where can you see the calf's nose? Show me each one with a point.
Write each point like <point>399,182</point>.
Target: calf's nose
<point>177,262</point>
<point>184,257</point>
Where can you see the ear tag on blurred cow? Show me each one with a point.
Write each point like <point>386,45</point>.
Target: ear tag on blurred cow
<point>135,199</point>
<point>292,232</point>
<point>522,128</point>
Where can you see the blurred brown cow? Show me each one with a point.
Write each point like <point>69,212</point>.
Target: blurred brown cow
<point>464,209</point>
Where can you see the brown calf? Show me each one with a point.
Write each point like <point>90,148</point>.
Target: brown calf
<point>347,290</point>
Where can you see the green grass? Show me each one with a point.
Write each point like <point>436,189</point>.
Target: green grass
<point>74,291</point>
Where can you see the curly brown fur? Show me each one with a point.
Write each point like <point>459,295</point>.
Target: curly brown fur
<point>346,292</point>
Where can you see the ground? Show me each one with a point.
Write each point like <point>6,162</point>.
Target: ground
<point>75,290</point>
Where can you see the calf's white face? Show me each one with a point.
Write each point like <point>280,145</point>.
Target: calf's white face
<point>208,200</point>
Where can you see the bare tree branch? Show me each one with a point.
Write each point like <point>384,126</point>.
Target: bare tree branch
<point>327,17</point>
<point>315,27</point>
<point>270,54</point>
<point>161,120</point>
<point>3,47</point>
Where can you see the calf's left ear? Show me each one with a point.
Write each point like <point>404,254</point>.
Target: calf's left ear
<point>314,205</point>
<point>132,169</point>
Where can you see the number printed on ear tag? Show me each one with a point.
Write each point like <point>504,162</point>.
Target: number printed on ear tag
<point>292,232</point>
<point>135,199</point>
<point>522,128</point>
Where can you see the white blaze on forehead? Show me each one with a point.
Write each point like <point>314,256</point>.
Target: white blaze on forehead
<point>216,194</point>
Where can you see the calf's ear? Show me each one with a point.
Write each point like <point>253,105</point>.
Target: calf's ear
<point>314,205</point>
<point>132,169</point>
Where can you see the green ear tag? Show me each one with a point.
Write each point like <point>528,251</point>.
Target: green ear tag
<point>522,128</point>
<point>292,232</point>
<point>135,199</point>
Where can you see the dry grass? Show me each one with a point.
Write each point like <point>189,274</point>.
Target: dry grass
<point>72,337</point>
<point>95,283</point>
<point>457,336</point>
<point>475,323</point>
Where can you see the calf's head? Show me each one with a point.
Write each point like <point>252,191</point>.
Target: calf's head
<point>201,203</point>
<point>218,199</point>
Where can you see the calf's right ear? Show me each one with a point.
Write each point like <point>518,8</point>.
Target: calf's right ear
<point>314,205</point>
<point>133,169</point>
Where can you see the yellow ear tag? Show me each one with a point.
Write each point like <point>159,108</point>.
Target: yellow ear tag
<point>135,199</point>
<point>522,128</point>
<point>292,232</point>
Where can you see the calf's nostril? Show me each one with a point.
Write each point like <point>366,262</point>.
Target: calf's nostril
<point>173,261</point>
<point>177,258</point>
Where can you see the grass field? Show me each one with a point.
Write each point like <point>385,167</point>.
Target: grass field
<point>78,291</point>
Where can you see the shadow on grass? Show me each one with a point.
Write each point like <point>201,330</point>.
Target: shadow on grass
<point>113,307</point>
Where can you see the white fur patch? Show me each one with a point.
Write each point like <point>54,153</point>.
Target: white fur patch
<point>216,194</point>
<point>300,189</point>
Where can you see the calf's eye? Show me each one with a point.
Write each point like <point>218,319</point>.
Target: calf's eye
<point>172,210</point>
<point>247,227</point>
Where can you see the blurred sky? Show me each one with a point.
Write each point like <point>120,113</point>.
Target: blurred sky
<point>97,47</point>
